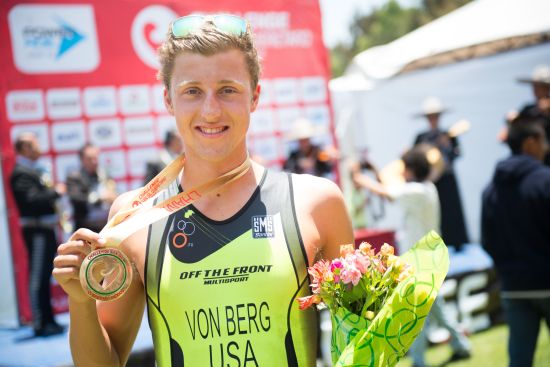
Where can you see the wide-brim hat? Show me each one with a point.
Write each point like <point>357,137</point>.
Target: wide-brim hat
<point>432,106</point>
<point>541,75</point>
<point>303,128</point>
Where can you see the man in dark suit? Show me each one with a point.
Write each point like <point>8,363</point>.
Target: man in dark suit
<point>90,190</point>
<point>453,223</point>
<point>173,147</point>
<point>35,197</point>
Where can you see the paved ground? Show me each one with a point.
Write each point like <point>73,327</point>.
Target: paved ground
<point>19,348</point>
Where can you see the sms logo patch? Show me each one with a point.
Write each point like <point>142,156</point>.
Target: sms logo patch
<point>262,226</point>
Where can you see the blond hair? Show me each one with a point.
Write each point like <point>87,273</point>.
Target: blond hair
<point>207,41</point>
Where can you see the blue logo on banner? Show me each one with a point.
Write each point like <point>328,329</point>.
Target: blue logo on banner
<point>69,38</point>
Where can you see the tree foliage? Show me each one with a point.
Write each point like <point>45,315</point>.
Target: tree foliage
<point>385,24</point>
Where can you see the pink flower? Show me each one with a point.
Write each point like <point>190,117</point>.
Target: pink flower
<point>308,301</point>
<point>336,268</point>
<point>360,261</point>
<point>319,273</point>
<point>350,273</point>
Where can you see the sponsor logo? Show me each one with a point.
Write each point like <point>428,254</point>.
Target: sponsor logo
<point>134,99</point>
<point>53,38</point>
<point>262,226</point>
<point>237,274</point>
<point>25,105</point>
<point>287,116</point>
<point>63,103</point>
<point>68,136</point>
<point>314,89</point>
<point>100,101</point>
<point>105,133</point>
<point>263,121</point>
<point>181,239</point>
<point>139,131</point>
<point>286,90</point>
<point>148,32</point>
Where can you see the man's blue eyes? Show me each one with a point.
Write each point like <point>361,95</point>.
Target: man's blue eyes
<point>223,91</point>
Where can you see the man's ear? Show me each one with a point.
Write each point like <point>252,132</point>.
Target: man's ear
<point>255,98</point>
<point>168,102</point>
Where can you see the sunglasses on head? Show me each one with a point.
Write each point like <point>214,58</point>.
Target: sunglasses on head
<point>226,23</point>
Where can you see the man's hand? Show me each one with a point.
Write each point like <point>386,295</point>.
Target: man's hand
<point>69,259</point>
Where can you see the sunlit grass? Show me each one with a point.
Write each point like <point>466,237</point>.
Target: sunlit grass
<point>489,349</point>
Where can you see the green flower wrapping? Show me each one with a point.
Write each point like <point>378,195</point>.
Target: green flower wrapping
<point>378,301</point>
<point>383,341</point>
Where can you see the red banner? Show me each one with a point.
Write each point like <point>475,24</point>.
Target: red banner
<point>85,72</point>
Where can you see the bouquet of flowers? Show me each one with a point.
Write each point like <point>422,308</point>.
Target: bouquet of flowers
<point>378,301</point>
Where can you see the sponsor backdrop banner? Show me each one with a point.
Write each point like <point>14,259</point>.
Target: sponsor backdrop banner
<point>76,72</point>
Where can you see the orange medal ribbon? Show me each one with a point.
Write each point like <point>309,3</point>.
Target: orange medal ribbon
<point>106,273</point>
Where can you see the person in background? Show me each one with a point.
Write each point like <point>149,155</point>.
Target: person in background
<point>540,108</point>
<point>419,203</point>
<point>361,198</point>
<point>173,146</point>
<point>515,232</point>
<point>36,197</point>
<point>308,157</point>
<point>91,192</point>
<point>249,242</point>
<point>453,224</point>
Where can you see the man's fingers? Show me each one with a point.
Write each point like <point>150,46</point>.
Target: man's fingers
<point>71,260</point>
<point>91,237</point>
<point>80,246</point>
<point>65,274</point>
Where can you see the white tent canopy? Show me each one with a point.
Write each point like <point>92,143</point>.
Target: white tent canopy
<point>479,22</point>
<point>376,99</point>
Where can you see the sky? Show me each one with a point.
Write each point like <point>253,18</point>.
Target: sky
<point>338,15</point>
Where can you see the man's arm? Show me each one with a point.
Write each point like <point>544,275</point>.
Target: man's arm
<point>101,333</point>
<point>322,216</point>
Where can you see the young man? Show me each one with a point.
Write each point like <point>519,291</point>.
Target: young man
<point>220,277</point>
<point>515,231</point>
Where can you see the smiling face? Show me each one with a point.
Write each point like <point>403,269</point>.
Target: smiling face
<point>211,98</point>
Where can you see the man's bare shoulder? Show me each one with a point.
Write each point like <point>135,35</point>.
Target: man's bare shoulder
<point>322,216</point>
<point>315,189</point>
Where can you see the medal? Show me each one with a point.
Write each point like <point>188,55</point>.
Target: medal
<point>106,274</point>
